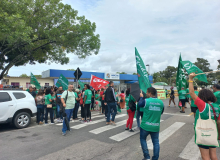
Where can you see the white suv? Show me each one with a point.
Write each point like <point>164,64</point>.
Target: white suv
<point>17,106</point>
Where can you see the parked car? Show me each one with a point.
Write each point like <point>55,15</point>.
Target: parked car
<point>17,107</point>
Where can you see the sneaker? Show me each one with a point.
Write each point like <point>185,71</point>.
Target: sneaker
<point>40,123</point>
<point>61,121</point>
<point>127,129</point>
<point>51,123</point>
<point>137,129</point>
<point>84,121</point>
<point>131,130</point>
<point>45,123</point>
<point>107,123</point>
<point>105,117</point>
<point>71,119</point>
<point>182,111</point>
<point>63,133</point>
<point>90,120</point>
<point>113,123</point>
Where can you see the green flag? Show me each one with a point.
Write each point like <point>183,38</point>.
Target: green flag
<point>192,68</point>
<point>143,78</point>
<point>62,82</point>
<point>81,85</point>
<point>181,80</point>
<point>34,81</point>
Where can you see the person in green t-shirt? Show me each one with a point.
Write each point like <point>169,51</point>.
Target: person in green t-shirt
<point>187,97</point>
<point>216,89</point>
<point>153,108</point>
<point>86,103</point>
<point>205,101</point>
<point>68,100</point>
<point>182,99</point>
<point>49,109</point>
<point>193,106</point>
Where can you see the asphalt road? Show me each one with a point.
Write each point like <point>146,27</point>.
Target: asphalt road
<point>96,141</point>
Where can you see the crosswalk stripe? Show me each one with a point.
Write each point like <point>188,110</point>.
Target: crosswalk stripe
<point>191,151</point>
<point>94,122</point>
<point>106,128</point>
<point>123,135</point>
<point>59,124</point>
<point>166,133</point>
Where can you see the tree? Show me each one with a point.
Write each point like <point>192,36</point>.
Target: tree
<point>71,69</point>
<point>38,76</point>
<point>134,73</point>
<point>42,31</point>
<point>204,65</point>
<point>121,73</point>
<point>24,76</point>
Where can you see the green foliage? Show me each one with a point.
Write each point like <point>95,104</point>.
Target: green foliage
<point>38,76</point>
<point>71,69</point>
<point>24,76</point>
<point>43,30</point>
<point>134,73</point>
<point>121,73</point>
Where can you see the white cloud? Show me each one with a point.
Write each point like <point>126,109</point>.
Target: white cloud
<point>159,29</point>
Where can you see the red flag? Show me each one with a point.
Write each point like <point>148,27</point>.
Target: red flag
<point>98,83</point>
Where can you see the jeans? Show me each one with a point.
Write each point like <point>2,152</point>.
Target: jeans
<point>40,113</point>
<point>130,119</point>
<point>110,107</point>
<point>138,115</point>
<point>68,115</point>
<point>106,110</point>
<point>75,111</point>
<point>155,141</point>
<point>59,113</point>
<point>82,112</point>
<point>49,110</point>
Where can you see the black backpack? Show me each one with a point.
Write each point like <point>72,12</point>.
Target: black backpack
<point>132,106</point>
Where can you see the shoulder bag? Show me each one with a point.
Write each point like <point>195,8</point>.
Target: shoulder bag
<point>218,126</point>
<point>206,132</point>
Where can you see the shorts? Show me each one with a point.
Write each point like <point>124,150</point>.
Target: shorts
<point>172,97</point>
<point>205,147</point>
<point>194,109</point>
<point>183,102</point>
<point>187,99</point>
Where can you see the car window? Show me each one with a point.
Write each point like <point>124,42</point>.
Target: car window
<point>4,97</point>
<point>19,95</point>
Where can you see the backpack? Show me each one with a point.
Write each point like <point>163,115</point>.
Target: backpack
<point>132,105</point>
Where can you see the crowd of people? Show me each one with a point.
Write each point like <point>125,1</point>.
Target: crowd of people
<point>107,101</point>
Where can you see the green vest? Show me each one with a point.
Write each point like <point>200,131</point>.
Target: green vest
<point>152,113</point>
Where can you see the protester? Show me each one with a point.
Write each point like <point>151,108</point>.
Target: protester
<point>110,101</point>
<point>187,97</point>
<point>151,122</point>
<point>182,99</point>
<point>75,110</point>
<point>93,99</point>
<point>81,104</point>
<point>193,106</point>
<point>102,100</point>
<point>86,103</point>
<point>203,101</point>
<point>130,111</point>
<point>58,102</point>
<point>54,106</point>
<point>32,92</point>
<point>172,97</point>
<point>40,107</point>
<point>122,101</point>
<point>68,102</point>
<point>49,109</point>
<point>216,89</point>
<point>97,98</point>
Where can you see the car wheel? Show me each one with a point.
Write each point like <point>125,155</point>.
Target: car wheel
<point>22,120</point>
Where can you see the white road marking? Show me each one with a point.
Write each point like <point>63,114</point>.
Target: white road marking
<point>74,121</point>
<point>166,133</point>
<point>175,114</point>
<point>94,122</point>
<point>191,151</point>
<point>123,135</point>
<point>109,127</point>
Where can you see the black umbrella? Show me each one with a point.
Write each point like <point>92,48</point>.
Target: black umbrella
<point>135,91</point>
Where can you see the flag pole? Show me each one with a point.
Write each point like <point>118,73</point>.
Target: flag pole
<point>207,72</point>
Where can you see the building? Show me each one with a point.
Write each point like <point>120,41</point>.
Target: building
<point>25,82</point>
<point>50,78</point>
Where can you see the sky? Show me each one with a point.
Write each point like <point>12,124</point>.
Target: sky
<point>160,30</point>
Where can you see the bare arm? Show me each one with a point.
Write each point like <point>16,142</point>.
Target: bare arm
<point>63,102</point>
<point>191,88</point>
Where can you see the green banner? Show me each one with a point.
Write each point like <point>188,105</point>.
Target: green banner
<point>192,68</point>
<point>181,80</point>
<point>62,82</point>
<point>143,78</point>
<point>34,81</point>
<point>81,85</point>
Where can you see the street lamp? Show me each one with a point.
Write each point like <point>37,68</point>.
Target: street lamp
<point>148,68</point>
